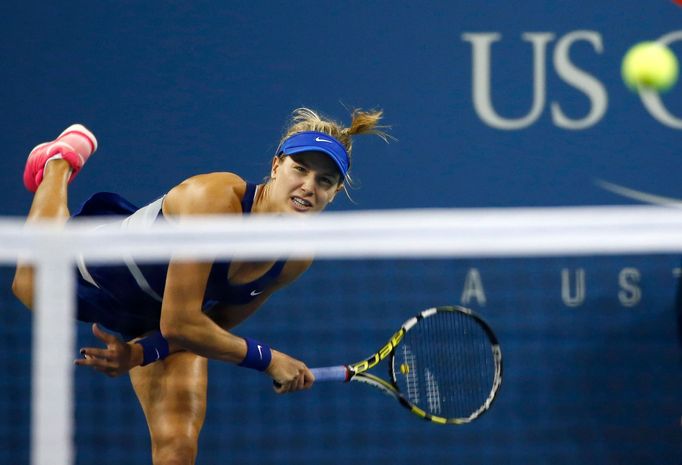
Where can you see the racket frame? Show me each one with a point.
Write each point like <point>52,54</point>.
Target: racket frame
<point>358,371</point>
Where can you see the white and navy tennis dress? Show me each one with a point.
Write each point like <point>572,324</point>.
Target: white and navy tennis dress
<point>127,298</point>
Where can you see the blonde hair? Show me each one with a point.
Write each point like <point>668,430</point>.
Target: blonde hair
<point>362,122</point>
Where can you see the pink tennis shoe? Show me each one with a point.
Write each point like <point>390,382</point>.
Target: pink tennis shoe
<point>75,145</point>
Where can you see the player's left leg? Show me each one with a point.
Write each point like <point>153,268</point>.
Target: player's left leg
<point>172,393</point>
<point>49,169</point>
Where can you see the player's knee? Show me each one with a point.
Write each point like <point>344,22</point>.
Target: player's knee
<point>174,451</point>
<point>22,287</point>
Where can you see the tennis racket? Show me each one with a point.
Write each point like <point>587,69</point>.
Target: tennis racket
<point>444,364</point>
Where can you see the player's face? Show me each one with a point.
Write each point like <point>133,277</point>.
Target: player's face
<point>305,182</point>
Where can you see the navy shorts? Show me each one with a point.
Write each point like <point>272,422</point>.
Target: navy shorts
<point>112,305</point>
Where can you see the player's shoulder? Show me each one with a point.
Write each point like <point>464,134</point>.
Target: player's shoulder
<point>210,193</point>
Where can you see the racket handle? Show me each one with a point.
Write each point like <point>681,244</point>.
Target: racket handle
<point>337,373</point>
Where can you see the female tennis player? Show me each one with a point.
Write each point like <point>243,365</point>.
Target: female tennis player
<point>173,317</point>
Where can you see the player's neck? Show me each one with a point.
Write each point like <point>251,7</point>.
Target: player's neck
<point>261,200</point>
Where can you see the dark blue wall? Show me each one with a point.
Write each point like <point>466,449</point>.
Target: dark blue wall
<point>174,89</point>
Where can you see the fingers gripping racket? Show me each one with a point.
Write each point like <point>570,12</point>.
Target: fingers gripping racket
<point>445,366</point>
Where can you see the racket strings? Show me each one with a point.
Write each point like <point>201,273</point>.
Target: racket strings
<point>411,373</point>
<point>445,365</point>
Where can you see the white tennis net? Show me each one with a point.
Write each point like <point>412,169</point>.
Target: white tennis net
<point>509,232</point>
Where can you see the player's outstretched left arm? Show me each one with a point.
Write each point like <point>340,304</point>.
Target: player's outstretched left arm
<point>116,359</point>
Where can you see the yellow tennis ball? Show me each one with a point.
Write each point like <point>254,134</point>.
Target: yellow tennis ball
<point>650,65</point>
<point>404,368</point>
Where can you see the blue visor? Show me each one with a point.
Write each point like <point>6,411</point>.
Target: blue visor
<point>313,141</point>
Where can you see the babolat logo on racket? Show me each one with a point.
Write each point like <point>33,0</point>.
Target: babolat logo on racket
<point>384,352</point>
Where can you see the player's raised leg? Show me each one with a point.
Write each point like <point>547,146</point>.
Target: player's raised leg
<point>49,168</point>
<point>172,393</point>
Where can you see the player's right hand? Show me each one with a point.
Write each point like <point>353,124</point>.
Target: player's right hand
<point>289,374</point>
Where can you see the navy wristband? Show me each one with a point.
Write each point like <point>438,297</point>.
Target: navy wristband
<point>154,347</point>
<point>258,355</point>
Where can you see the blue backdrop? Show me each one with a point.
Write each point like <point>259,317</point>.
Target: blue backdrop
<point>493,104</point>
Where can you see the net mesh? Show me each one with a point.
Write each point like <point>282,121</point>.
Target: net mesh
<point>592,368</point>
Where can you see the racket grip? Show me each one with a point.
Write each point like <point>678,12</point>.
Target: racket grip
<point>337,373</point>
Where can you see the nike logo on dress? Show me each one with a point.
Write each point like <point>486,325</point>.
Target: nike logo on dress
<point>319,139</point>
<point>255,293</point>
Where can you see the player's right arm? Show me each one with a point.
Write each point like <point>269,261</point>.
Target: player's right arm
<point>183,322</point>
<point>290,374</point>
